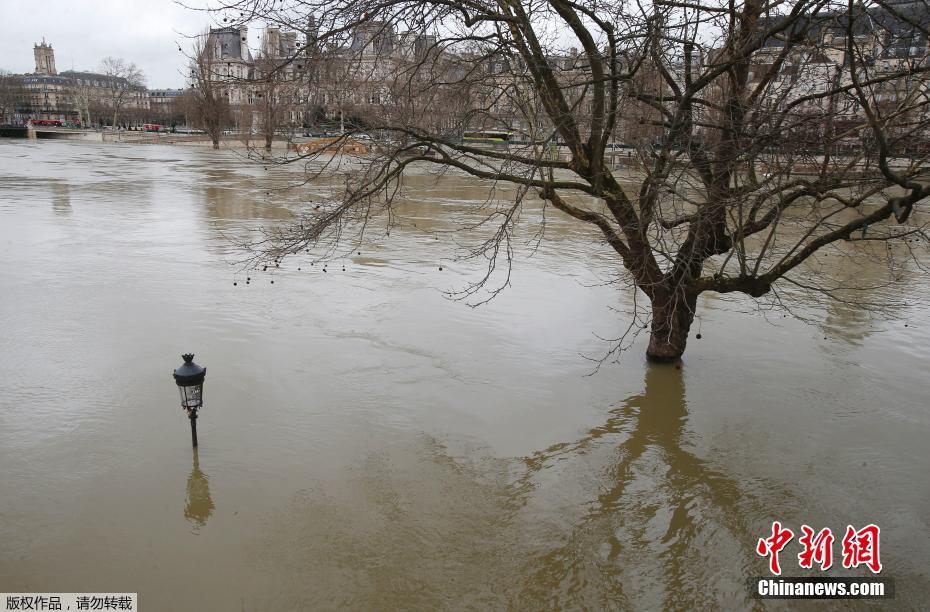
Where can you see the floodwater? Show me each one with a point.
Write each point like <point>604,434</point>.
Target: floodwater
<point>367,443</point>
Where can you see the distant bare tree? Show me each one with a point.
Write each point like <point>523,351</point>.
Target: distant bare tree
<point>11,95</point>
<point>767,132</point>
<point>209,97</point>
<point>245,116</point>
<point>186,106</point>
<point>83,97</point>
<point>274,93</point>
<point>127,80</point>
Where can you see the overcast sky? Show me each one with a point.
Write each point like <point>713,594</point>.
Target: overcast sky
<point>83,32</point>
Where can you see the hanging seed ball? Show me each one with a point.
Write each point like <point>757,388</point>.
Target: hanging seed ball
<point>324,269</point>
<point>235,283</point>
<point>277,265</point>
<point>248,278</point>
<point>311,263</point>
<point>359,252</point>
<point>905,325</point>
<point>343,268</point>
<point>698,336</point>
<point>440,268</point>
<point>265,269</point>
<point>298,269</point>
<point>246,282</point>
<point>272,282</point>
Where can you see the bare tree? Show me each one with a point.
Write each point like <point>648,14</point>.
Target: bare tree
<point>209,96</point>
<point>83,97</point>
<point>181,110</point>
<point>11,95</point>
<point>766,132</point>
<point>273,93</point>
<point>245,119</point>
<point>126,83</point>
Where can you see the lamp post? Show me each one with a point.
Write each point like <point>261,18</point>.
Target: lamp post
<point>189,378</point>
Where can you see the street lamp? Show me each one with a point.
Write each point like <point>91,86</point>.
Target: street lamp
<point>189,378</point>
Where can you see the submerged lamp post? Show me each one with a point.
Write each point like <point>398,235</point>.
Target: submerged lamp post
<point>189,378</point>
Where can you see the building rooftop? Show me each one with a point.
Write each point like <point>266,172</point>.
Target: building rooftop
<point>230,43</point>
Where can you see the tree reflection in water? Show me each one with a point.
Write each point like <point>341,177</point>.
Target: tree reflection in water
<point>61,197</point>
<point>667,530</point>
<point>626,517</point>
<point>199,505</point>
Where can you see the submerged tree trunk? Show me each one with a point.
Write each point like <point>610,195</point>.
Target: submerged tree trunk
<point>672,316</point>
<point>216,132</point>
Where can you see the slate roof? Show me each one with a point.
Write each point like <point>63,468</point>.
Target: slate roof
<point>900,26</point>
<point>231,43</point>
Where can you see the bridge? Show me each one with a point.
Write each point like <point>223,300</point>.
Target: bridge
<point>34,132</point>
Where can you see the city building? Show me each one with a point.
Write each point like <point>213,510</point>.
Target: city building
<point>47,96</point>
<point>165,107</point>
<point>379,73</point>
<point>87,98</point>
<point>227,57</point>
<point>267,91</point>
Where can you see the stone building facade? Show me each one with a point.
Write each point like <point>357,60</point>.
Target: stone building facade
<point>269,86</point>
<point>164,107</point>
<point>45,58</point>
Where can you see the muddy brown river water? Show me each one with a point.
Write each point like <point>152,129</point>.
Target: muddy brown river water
<point>367,443</point>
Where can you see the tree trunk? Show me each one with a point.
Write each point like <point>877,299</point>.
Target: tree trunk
<point>269,137</point>
<point>672,316</point>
